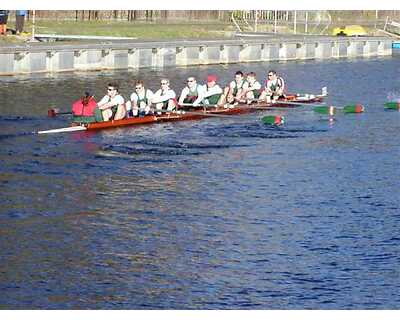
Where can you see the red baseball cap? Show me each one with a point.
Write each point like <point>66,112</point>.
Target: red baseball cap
<point>211,78</point>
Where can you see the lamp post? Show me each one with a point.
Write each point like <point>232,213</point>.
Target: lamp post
<point>33,26</point>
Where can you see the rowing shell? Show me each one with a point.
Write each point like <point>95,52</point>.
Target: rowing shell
<point>191,114</point>
<point>198,114</point>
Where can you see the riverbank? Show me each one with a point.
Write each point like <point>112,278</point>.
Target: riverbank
<point>111,55</point>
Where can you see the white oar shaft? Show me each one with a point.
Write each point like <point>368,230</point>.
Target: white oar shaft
<point>61,130</point>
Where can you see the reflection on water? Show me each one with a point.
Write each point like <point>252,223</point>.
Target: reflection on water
<point>210,214</point>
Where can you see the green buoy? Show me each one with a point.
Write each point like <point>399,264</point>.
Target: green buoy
<point>392,105</point>
<point>273,120</point>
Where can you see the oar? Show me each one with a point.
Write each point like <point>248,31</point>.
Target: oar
<point>294,103</point>
<point>392,105</point>
<point>196,113</point>
<point>61,130</point>
<point>53,112</point>
<point>331,110</point>
<point>198,106</point>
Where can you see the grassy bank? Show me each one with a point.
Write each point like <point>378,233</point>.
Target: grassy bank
<point>145,31</point>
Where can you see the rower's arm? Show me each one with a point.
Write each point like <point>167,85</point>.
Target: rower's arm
<point>159,97</point>
<point>102,104</point>
<point>183,95</point>
<point>212,91</point>
<point>200,97</point>
<point>149,96</point>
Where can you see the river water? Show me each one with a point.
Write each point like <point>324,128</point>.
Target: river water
<point>210,214</point>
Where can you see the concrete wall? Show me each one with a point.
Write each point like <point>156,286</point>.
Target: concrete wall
<point>58,58</point>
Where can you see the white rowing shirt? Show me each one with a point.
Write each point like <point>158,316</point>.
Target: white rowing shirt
<point>161,96</point>
<point>115,101</point>
<point>146,94</point>
<point>252,86</point>
<point>216,89</point>
<point>200,94</point>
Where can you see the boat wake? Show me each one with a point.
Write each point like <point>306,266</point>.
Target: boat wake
<point>15,135</point>
<point>262,131</point>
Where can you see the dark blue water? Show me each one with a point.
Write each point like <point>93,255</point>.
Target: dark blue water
<point>210,214</point>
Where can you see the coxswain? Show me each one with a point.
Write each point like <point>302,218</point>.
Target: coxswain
<point>141,100</point>
<point>212,91</point>
<point>85,106</point>
<point>234,92</point>
<point>112,105</point>
<point>193,93</point>
<point>252,88</point>
<point>274,88</point>
<point>164,98</point>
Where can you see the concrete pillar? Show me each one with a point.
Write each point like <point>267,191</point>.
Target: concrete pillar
<point>163,57</point>
<point>287,51</point>
<point>355,49</point>
<point>339,49</point>
<point>157,58</point>
<point>270,52</point>
<point>385,47</point>
<point>371,48</point>
<point>233,52</point>
<point>145,58</point>
<point>223,54</point>
<point>6,63</point>
<point>250,53</point>
<point>120,59</point>
<point>90,59</point>
<point>305,51</point>
<point>59,61</point>
<point>133,58</point>
<point>203,55</point>
<point>181,59</point>
<point>192,55</point>
<point>212,55</point>
<point>29,62</point>
<point>323,50</point>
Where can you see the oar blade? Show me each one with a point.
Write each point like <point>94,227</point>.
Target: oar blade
<point>52,112</point>
<point>392,105</point>
<point>273,120</point>
<point>353,108</point>
<point>331,110</point>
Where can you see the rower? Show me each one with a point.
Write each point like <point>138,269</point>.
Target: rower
<point>212,91</point>
<point>141,99</point>
<point>112,105</point>
<point>252,88</point>
<point>274,88</point>
<point>164,98</point>
<point>234,91</point>
<point>193,93</point>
